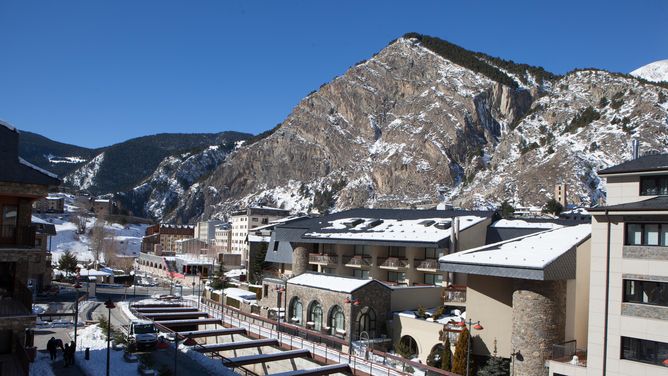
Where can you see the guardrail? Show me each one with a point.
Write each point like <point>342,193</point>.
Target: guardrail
<point>378,364</point>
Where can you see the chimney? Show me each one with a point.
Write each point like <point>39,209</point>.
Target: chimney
<point>635,148</point>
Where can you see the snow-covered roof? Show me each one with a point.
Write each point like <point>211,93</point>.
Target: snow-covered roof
<point>103,200</point>
<point>35,219</point>
<point>94,273</point>
<point>240,294</point>
<point>329,282</point>
<point>235,273</point>
<point>518,223</point>
<point>258,239</point>
<point>43,171</point>
<point>407,230</point>
<point>543,255</point>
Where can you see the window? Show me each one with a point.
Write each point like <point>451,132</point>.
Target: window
<point>9,215</point>
<point>433,279</point>
<point>315,315</point>
<point>337,321</point>
<point>396,276</point>
<point>329,270</point>
<point>645,351</point>
<point>433,253</point>
<point>654,185</point>
<point>366,322</point>
<point>646,292</point>
<point>410,344</point>
<point>296,311</point>
<point>652,234</point>
<point>254,219</point>
<point>362,250</point>
<point>398,252</point>
<point>363,274</point>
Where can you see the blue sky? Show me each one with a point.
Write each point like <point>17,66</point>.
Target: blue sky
<point>94,73</point>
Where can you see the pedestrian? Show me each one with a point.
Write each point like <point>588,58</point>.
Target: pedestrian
<point>66,354</point>
<point>51,348</point>
<point>73,349</point>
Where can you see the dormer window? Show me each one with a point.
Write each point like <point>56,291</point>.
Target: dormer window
<point>654,185</point>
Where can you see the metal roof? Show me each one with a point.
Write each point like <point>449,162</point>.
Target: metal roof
<point>646,163</point>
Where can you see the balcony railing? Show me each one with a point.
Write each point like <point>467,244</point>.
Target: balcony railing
<point>315,258</point>
<point>359,262</point>
<point>17,236</point>
<point>567,352</point>
<point>454,294</point>
<point>428,265</point>
<point>394,263</point>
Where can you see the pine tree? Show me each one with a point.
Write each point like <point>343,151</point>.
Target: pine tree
<point>461,348</point>
<point>68,263</point>
<point>446,358</point>
<point>506,209</point>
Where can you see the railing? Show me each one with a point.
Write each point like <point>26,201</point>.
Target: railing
<point>359,261</point>
<point>376,363</point>
<point>428,264</point>
<point>394,263</point>
<point>21,236</point>
<point>315,258</point>
<point>454,294</point>
<point>567,352</point>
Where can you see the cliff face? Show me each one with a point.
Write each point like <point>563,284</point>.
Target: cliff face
<point>395,129</point>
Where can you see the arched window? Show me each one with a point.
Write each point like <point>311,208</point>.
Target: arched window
<point>337,321</point>
<point>296,311</point>
<point>435,356</point>
<point>315,315</point>
<point>366,322</point>
<point>410,345</point>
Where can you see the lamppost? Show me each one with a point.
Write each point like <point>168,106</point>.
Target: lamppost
<point>110,305</point>
<point>279,290</point>
<point>476,325</point>
<point>77,286</point>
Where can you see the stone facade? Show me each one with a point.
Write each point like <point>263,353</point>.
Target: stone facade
<point>539,319</point>
<point>645,252</point>
<point>300,261</point>
<point>645,310</point>
<point>374,300</point>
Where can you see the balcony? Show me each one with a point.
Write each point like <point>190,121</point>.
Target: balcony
<point>394,263</point>
<point>12,236</point>
<point>428,265</point>
<point>321,259</point>
<point>454,294</point>
<point>360,262</point>
<point>568,353</point>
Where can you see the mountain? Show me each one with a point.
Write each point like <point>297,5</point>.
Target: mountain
<point>424,118</point>
<point>122,166</point>
<point>57,157</point>
<point>655,72</point>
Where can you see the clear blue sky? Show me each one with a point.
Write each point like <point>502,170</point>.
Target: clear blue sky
<point>94,73</point>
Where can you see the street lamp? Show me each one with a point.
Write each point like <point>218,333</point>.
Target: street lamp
<point>110,305</point>
<point>476,325</point>
<point>77,286</point>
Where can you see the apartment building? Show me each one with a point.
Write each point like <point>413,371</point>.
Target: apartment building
<point>628,316</point>
<point>245,220</point>
<point>206,231</point>
<point>396,246</point>
<point>21,184</point>
<point>223,238</point>
<point>50,204</point>
<point>161,238</point>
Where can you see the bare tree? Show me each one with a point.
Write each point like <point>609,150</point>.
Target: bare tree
<point>98,236</point>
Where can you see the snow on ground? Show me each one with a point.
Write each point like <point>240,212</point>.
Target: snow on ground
<point>128,237</point>
<point>93,338</point>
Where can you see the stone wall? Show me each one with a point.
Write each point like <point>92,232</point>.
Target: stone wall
<point>539,312</point>
<point>300,261</point>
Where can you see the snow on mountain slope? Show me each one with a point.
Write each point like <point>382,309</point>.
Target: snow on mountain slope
<point>84,177</point>
<point>655,72</point>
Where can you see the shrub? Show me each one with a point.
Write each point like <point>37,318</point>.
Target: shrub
<point>446,358</point>
<point>461,350</point>
<point>603,102</point>
<point>582,119</point>
<point>553,206</point>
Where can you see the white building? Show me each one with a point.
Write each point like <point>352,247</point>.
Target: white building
<point>245,220</point>
<point>206,230</point>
